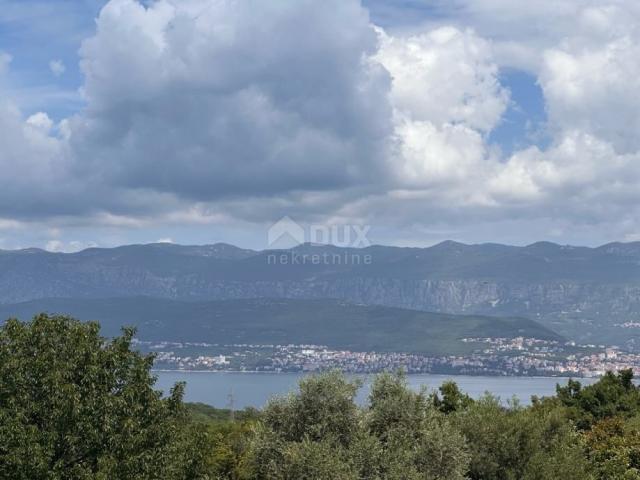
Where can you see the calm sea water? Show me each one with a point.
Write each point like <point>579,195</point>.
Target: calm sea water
<point>255,389</point>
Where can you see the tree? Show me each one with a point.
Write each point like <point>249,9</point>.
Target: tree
<point>614,449</point>
<point>536,443</point>
<point>323,409</point>
<point>303,433</point>
<point>74,405</point>
<point>320,433</point>
<point>393,406</point>
<point>612,395</point>
<point>452,400</point>
<point>417,440</point>
<point>228,443</point>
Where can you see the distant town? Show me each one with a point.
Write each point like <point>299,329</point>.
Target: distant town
<point>490,356</point>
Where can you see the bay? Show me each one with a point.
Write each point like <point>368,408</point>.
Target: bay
<point>255,389</point>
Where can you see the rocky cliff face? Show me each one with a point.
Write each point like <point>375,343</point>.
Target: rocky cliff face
<point>543,281</point>
<point>451,296</point>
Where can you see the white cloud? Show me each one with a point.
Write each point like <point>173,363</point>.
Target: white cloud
<point>245,111</point>
<point>57,67</point>
<point>446,97</point>
<point>40,121</point>
<point>522,32</point>
<point>593,86</point>
<point>444,76</point>
<point>56,245</point>
<point>33,162</point>
<point>586,63</point>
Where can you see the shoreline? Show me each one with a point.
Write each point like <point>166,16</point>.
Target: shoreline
<point>446,375</point>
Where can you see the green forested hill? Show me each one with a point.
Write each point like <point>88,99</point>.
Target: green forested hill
<point>328,322</point>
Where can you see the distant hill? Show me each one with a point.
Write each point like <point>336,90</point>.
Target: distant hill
<point>577,291</point>
<point>328,322</point>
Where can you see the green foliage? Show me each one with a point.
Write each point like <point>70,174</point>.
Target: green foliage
<point>614,449</point>
<point>613,394</point>
<point>520,443</point>
<point>452,399</point>
<point>402,434</point>
<point>393,407</point>
<point>75,406</point>
<point>203,413</point>
<point>324,408</point>
<point>316,460</point>
<point>416,440</point>
<point>228,444</point>
<point>320,433</point>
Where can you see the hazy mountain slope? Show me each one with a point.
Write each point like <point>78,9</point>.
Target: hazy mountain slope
<point>578,291</point>
<point>282,321</point>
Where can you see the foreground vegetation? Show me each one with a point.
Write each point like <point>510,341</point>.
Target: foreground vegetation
<point>74,405</point>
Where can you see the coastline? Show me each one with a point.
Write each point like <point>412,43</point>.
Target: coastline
<point>445,375</point>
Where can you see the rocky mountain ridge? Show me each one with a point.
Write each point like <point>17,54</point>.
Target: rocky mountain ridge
<point>575,290</point>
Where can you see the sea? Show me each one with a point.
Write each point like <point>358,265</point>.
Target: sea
<point>240,390</point>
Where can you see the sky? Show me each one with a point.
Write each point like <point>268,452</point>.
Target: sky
<point>200,121</point>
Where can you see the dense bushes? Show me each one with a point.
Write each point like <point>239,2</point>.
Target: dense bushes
<point>320,433</point>
<point>76,406</point>
<point>73,405</point>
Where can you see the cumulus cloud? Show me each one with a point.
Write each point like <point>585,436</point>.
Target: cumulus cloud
<point>592,86</point>
<point>444,76</point>
<point>586,64</point>
<point>522,32</point>
<point>224,111</point>
<point>32,163</point>
<point>445,96</point>
<point>232,98</point>
<point>591,170</point>
<point>40,121</point>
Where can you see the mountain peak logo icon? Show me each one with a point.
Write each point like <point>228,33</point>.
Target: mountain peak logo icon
<point>285,233</point>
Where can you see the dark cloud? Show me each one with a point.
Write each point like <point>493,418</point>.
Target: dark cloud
<point>233,98</point>
<point>235,113</point>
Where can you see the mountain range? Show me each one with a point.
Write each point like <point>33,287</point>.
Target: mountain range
<point>580,292</point>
